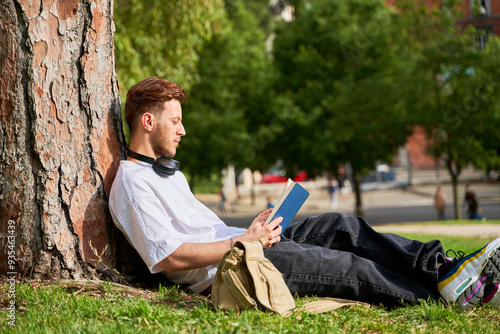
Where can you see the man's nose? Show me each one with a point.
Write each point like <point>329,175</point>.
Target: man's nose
<point>181,131</point>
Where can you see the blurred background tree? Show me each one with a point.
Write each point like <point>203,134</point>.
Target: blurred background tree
<point>339,82</point>
<point>490,125</point>
<point>457,96</point>
<point>162,38</point>
<point>216,51</point>
<point>229,95</point>
<point>342,65</point>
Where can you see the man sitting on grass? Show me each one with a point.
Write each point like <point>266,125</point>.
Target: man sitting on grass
<point>332,255</point>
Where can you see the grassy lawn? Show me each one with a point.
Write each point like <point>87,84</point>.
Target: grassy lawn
<point>43,309</point>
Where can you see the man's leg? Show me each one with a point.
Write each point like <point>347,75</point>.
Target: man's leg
<point>412,258</point>
<point>342,256</point>
<point>313,270</point>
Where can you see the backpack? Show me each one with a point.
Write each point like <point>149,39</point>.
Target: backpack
<point>246,279</point>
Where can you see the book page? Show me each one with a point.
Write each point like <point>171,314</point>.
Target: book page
<point>284,193</point>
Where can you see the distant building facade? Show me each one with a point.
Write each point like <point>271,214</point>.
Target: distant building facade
<point>484,15</point>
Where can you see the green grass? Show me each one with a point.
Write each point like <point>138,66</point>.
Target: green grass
<point>169,310</point>
<point>455,243</point>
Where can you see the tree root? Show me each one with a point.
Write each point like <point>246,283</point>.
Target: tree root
<point>100,286</point>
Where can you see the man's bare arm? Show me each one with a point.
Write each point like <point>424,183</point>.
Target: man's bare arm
<point>195,255</point>
<point>198,255</point>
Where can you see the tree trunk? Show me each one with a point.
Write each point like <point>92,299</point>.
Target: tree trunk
<point>455,170</point>
<point>356,178</point>
<point>456,200</point>
<point>61,135</point>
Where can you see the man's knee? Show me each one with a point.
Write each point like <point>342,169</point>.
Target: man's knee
<point>324,224</point>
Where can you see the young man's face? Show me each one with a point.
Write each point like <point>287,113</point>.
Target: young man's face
<point>168,130</point>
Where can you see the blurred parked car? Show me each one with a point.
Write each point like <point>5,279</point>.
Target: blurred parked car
<point>382,173</point>
<point>278,174</point>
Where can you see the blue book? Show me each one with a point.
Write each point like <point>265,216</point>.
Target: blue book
<point>291,199</point>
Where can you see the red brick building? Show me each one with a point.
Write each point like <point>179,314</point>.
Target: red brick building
<point>482,14</point>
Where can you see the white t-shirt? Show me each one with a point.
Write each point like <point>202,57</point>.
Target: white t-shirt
<point>157,214</point>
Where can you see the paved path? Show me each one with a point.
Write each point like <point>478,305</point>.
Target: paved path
<point>381,206</point>
<point>476,230</point>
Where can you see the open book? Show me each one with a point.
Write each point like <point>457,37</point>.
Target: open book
<point>291,199</point>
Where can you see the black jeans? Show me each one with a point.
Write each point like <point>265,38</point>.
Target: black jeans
<point>335,255</point>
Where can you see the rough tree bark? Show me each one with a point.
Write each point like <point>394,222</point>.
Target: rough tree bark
<point>60,135</point>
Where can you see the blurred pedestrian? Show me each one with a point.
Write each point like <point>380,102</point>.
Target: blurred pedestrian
<point>225,201</point>
<point>342,178</point>
<point>333,190</point>
<point>222,203</point>
<point>473,208</point>
<point>270,204</point>
<point>440,203</point>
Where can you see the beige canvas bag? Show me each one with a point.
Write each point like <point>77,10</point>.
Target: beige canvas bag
<point>246,279</point>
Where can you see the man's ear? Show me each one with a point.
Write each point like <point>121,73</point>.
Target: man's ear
<point>147,121</point>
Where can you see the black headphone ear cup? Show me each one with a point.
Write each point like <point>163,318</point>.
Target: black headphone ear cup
<point>163,170</point>
<point>162,166</point>
<point>165,167</point>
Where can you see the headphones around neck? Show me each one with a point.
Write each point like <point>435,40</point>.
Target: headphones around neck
<point>162,166</point>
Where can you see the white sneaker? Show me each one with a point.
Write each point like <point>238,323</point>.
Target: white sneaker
<point>492,295</point>
<point>466,281</point>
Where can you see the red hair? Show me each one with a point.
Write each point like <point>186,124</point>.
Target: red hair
<point>149,95</point>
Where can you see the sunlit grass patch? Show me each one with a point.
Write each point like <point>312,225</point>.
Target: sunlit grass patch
<point>109,309</point>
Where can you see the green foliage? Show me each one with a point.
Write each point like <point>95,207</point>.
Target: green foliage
<point>458,91</point>
<point>231,89</point>
<point>344,82</point>
<point>340,63</point>
<point>459,96</point>
<point>207,185</point>
<point>217,52</point>
<point>162,38</point>
<point>487,126</point>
